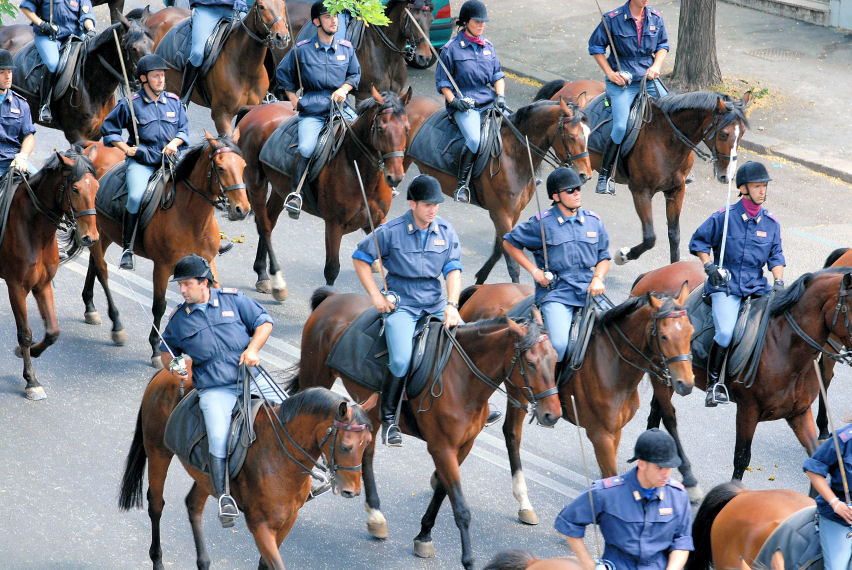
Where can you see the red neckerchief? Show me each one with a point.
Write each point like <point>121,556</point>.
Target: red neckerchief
<point>751,208</point>
<point>474,40</point>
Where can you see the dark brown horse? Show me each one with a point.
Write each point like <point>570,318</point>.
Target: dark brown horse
<point>376,140</point>
<point>645,334</point>
<point>61,194</point>
<point>561,126</point>
<point>733,523</point>
<point>498,350</point>
<point>275,480</point>
<point>89,99</point>
<point>187,224</point>
<point>569,90</point>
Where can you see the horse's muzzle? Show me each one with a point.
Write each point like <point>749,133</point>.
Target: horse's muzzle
<point>236,213</point>
<point>279,41</point>
<point>347,494</point>
<point>392,180</point>
<point>681,387</point>
<point>547,419</point>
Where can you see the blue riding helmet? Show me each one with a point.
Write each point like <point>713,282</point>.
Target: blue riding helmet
<point>193,266</point>
<point>562,179</point>
<point>318,9</point>
<point>6,60</point>
<point>657,447</point>
<point>425,188</point>
<point>472,10</point>
<point>150,62</point>
<point>752,172</point>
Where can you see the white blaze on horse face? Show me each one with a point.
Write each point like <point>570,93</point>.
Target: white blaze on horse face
<point>519,490</point>
<point>587,132</point>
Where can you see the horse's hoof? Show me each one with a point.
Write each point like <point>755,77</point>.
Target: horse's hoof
<point>378,529</point>
<point>695,494</point>
<point>376,267</point>
<point>279,286</point>
<point>621,256</point>
<point>433,480</point>
<point>263,286</point>
<point>424,549</point>
<point>35,393</point>
<point>279,294</point>
<point>119,338</point>
<point>18,352</point>
<point>157,362</point>
<point>93,318</point>
<point>527,516</point>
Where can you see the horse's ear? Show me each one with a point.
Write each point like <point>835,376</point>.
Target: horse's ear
<point>377,96</point>
<point>746,98</point>
<point>847,281</point>
<point>406,97</point>
<point>566,110</point>
<point>743,564</point>
<point>210,138</point>
<point>581,99</point>
<point>124,21</point>
<point>536,315</point>
<point>683,294</point>
<point>68,162</point>
<point>721,109</point>
<point>92,151</point>
<point>370,402</point>
<point>777,562</point>
<point>342,410</point>
<point>235,136</point>
<point>146,13</point>
<point>655,302</point>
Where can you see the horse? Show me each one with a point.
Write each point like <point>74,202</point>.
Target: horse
<point>376,140</point>
<point>569,90</point>
<point>665,149</point>
<point>274,481</point>
<point>61,194</point>
<point>645,334</point>
<point>116,7</point>
<point>516,559</point>
<point>504,194</point>
<point>733,523</point>
<point>79,112</point>
<point>447,416</point>
<point>207,172</point>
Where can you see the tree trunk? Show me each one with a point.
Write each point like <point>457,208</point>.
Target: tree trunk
<point>696,66</point>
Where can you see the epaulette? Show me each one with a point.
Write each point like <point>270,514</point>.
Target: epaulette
<point>228,290</point>
<point>172,95</point>
<point>346,43</point>
<point>655,12</point>
<point>592,214</point>
<point>615,13</point>
<point>613,481</point>
<point>303,42</point>
<point>846,434</point>
<point>770,215</point>
<point>135,96</point>
<point>676,484</point>
<point>722,209</point>
<point>541,215</point>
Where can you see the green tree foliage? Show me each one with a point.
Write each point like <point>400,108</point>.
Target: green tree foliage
<point>371,11</point>
<point>7,9</point>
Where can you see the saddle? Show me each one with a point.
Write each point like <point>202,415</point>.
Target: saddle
<point>29,69</point>
<point>185,434</point>
<point>353,31</point>
<point>8,186</point>
<point>798,540</point>
<point>747,342</point>
<point>599,112</point>
<point>111,198</point>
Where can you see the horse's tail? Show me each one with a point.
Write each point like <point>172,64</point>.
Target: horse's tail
<point>549,89</point>
<point>320,295</point>
<point>713,503</point>
<point>242,112</point>
<point>131,483</point>
<point>513,559</point>
<point>637,280</point>
<point>834,256</point>
<point>467,294</point>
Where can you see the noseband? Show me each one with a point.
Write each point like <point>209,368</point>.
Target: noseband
<point>269,40</point>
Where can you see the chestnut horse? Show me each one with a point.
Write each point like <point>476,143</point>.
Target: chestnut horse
<point>376,140</point>
<point>61,194</point>
<point>561,126</point>
<point>517,559</point>
<point>448,416</point>
<point>274,481</point>
<point>206,173</point>
<point>645,334</point>
<point>733,523</point>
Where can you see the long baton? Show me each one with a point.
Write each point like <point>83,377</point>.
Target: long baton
<point>609,37</point>
<point>127,85</point>
<point>840,463</point>
<point>434,52</point>
<point>389,295</point>
<point>51,13</point>
<point>547,273</point>
<point>732,169</point>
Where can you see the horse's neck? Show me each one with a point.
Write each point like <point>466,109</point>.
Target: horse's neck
<point>486,359</point>
<point>248,48</point>
<point>537,133</point>
<point>100,81</point>
<point>186,197</point>
<point>303,432</point>
<point>48,196</point>
<point>351,150</point>
<point>690,122</point>
<point>394,30</point>
<point>810,313</point>
<point>607,349</point>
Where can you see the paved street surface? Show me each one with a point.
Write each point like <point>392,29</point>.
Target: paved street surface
<point>61,459</point>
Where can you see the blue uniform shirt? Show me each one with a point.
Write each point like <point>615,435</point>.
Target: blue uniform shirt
<point>634,57</point>
<point>414,267</point>
<point>752,243</point>
<point>214,336</point>
<point>238,5</point>
<point>324,69</point>
<point>15,124</point>
<point>575,246</point>
<point>68,15</point>
<point>824,462</point>
<point>639,533</point>
<point>472,66</point>
<point>158,122</point>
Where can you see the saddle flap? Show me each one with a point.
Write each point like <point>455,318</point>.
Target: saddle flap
<point>28,70</point>
<point>599,112</point>
<point>700,315</point>
<point>746,333</point>
<point>67,69</point>
<point>798,540</point>
<point>177,44</point>
<point>111,199</point>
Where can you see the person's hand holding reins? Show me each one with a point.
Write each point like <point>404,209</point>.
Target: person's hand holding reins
<point>339,95</point>
<point>652,73</point>
<point>249,357</point>
<point>171,148</point>
<point>597,287</point>
<point>381,303</point>
<point>540,277</point>
<point>616,78</point>
<point>452,317</point>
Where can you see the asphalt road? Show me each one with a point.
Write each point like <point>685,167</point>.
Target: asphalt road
<point>61,459</point>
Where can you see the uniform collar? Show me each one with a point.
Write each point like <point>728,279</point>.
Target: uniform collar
<point>319,45</point>
<point>632,479</point>
<point>740,210</point>
<point>213,301</point>
<point>563,219</point>
<point>144,96</point>
<point>628,15</point>
<point>411,227</point>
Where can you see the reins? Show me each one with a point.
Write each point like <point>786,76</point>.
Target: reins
<point>842,307</point>
<point>65,221</point>
<point>212,174</point>
<point>381,157</point>
<point>549,155</point>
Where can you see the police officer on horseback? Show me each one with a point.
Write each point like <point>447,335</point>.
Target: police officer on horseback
<point>578,255</point>
<point>644,516</point>
<point>220,330</point>
<point>17,138</point>
<point>54,21</point>
<point>752,241</point>
<point>472,62</point>
<point>327,69</point>
<point>163,128</point>
<point>638,36</point>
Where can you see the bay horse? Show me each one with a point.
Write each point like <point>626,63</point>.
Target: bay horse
<point>238,77</point>
<point>516,559</point>
<point>61,194</point>
<point>733,523</point>
<point>80,112</point>
<point>207,172</point>
<point>645,334</point>
<point>484,354</point>
<point>376,140</point>
<point>560,126</point>
<point>275,480</point>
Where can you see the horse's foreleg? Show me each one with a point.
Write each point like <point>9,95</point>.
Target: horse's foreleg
<point>423,545</point>
<point>661,404</point>
<point>268,538</point>
<point>273,209</point>
<point>642,204</point>
<point>746,424</point>
<point>195,500</point>
<point>827,369</point>
<point>803,426</point>
<point>377,525</point>
<point>18,300</point>
<point>220,114</point>
<point>158,307</point>
<point>674,203</point>
<point>513,427</point>
<point>605,445</point>
<point>333,235</point>
<point>486,268</point>
<point>43,294</point>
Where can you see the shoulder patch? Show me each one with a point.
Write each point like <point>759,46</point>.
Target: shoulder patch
<point>592,214</point>
<point>172,95</point>
<point>615,13</point>
<point>135,96</point>
<point>654,11</point>
<point>346,43</point>
<point>613,481</point>
<point>303,42</point>
<point>676,484</point>
<point>541,215</point>
<point>770,215</point>
<point>229,290</point>
<point>846,434</point>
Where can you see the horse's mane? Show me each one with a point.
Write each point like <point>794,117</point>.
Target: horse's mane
<point>484,326</point>
<point>704,100</point>
<point>392,101</point>
<point>131,36</point>
<point>633,304</point>
<point>82,165</point>
<point>318,402</point>
<point>191,155</point>
<point>794,292</point>
<point>834,256</point>
<point>523,115</point>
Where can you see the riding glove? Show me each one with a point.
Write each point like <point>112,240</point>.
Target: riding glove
<point>501,102</point>
<point>90,34</point>
<point>20,162</point>
<point>715,278</point>
<point>48,29</point>
<point>778,287</point>
<point>459,105</point>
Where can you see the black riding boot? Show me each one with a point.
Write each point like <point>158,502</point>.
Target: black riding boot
<point>493,417</point>
<point>463,188</point>
<point>717,393</point>
<point>190,75</point>
<point>391,393</point>
<point>228,510</point>
<point>44,114</point>
<point>605,186</point>
<point>128,235</point>
<point>293,202</point>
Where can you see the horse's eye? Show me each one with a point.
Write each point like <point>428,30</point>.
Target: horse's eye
<point>531,365</point>
<point>723,136</point>
<point>75,190</point>
<point>664,338</point>
<point>346,449</point>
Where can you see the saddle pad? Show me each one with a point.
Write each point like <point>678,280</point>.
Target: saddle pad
<point>29,69</point>
<point>523,309</point>
<point>6,197</point>
<point>600,117</point>
<point>186,436</point>
<point>176,44</point>
<point>798,541</point>
<point>111,198</point>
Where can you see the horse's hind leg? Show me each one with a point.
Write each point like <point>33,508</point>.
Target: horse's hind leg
<point>158,467</point>
<point>513,427</point>
<point>18,300</point>
<point>642,204</point>
<point>333,235</point>
<point>195,500</point>
<point>98,268</point>
<point>661,404</point>
<point>674,203</point>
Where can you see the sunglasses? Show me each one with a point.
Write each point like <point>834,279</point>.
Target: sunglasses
<point>570,190</point>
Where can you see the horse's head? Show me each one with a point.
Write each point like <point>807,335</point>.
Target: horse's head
<point>418,46</point>
<point>532,369</point>
<point>388,130</point>
<point>269,22</point>
<point>226,170</point>
<point>78,188</point>
<point>670,334</point>
<point>722,136</point>
<point>344,445</point>
<point>572,137</point>
<point>136,41</point>
<point>560,126</point>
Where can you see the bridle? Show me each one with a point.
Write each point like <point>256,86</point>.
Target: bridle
<point>709,134</point>
<point>269,40</point>
<point>374,136</point>
<point>549,155</point>
<point>414,39</point>
<point>66,220</point>
<point>841,308</point>
<point>212,173</point>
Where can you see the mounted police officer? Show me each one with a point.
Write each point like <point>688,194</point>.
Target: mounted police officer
<point>328,70</point>
<point>163,129</point>
<point>220,330</point>
<point>577,250</point>
<point>205,15</point>
<point>641,45</point>
<point>835,516</point>
<point>54,21</point>
<point>644,516</point>
<point>753,240</point>
<point>472,62</point>
<point>17,138</point>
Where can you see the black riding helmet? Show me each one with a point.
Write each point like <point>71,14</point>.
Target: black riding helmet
<point>193,266</point>
<point>562,179</point>
<point>657,447</point>
<point>425,188</point>
<point>6,60</point>
<point>472,10</point>
<point>318,9</point>
<point>150,62</point>
<point>752,172</point>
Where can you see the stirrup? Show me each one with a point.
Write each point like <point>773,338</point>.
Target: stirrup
<point>608,188</point>
<point>493,418</point>
<point>462,194</point>
<point>227,518</point>
<point>127,261</point>
<point>44,114</point>
<point>269,98</point>
<point>394,192</point>
<point>293,205</point>
<point>717,394</point>
<point>391,434</point>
